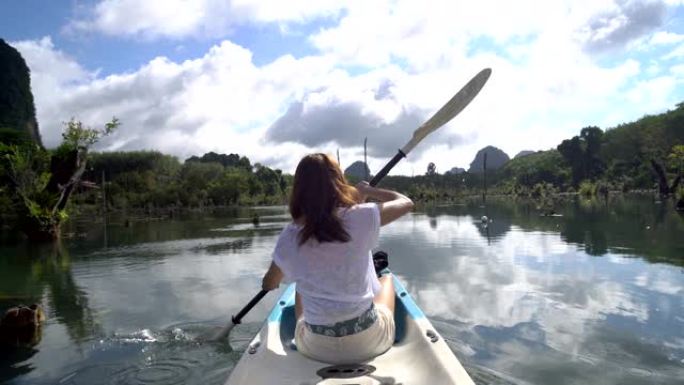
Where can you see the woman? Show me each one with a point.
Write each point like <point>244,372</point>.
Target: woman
<point>345,313</point>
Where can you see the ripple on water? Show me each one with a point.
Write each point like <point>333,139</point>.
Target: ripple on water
<point>168,372</point>
<point>92,374</point>
<point>483,376</point>
<point>179,354</point>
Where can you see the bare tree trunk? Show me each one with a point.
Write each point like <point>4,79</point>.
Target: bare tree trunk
<point>663,187</point>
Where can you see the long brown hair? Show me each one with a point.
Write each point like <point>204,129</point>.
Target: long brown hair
<point>319,189</point>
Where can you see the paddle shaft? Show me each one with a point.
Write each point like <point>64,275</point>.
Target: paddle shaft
<point>238,317</point>
<point>377,178</point>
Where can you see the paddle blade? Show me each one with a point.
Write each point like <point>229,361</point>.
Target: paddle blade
<point>223,333</point>
<point>453,107</point>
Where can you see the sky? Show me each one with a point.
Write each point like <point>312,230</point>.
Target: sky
<point>275,80</point>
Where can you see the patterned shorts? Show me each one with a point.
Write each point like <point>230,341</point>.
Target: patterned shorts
<point>351,348</point>
<point>345,328</point>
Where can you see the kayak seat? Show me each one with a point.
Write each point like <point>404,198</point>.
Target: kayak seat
<point>287,325</point>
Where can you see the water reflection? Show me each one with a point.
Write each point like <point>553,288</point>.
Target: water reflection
<point>523,298</point>
<point>535,307</point>
<point>624,225</point>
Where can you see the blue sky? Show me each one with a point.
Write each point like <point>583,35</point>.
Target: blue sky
<point>275,80</point>
<point>34,19</point>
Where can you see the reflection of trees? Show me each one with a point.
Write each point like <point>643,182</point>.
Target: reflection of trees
<point>626,225</point>
<point>500,215</point>
<point>68,302</point>
<point>49,267</point>
<point>586,225</point>
<point>13,363</point>
<point>496,229</point>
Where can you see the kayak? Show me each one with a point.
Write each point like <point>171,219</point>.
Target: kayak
<point>419,354</point>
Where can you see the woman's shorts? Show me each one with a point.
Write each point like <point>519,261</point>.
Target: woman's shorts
<point>354,348</point>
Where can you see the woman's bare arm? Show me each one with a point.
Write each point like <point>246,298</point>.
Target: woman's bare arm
<point>272,278</point>
<point>392,204</point>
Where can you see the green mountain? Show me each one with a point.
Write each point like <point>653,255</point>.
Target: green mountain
<point>17,112</point>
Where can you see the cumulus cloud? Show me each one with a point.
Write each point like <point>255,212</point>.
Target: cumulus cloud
<point>381,69</point>
<point>177,19</point>
<point>218,101</point>
<point>628,21</point>
<point>346,124</point>
<point>666,38</point>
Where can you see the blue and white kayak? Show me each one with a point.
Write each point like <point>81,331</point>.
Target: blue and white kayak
<point>419,354</point>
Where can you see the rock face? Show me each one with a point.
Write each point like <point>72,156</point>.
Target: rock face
<point>523,153</point>
<point>17,111</point>
<point>455,171</point>
<point>357,170</point>
<point>495,159</point>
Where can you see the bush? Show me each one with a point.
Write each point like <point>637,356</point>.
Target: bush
<point>587,189</point>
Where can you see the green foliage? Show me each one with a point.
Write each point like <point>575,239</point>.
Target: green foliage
<point>77,136</point>
<point>581,153</point>
<point>587,189</point>
<point>230,160</point>
<point>146,179</point>
<point>41,184</point>
<point>676,158</point>
<point>620,158</point>
<point>27,168</point>
<point>7,213</point>
<point>544,166</point>
<point>628,148</point>
<point>13,136</point>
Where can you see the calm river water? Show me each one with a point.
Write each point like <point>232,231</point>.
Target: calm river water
<point>595,296</point>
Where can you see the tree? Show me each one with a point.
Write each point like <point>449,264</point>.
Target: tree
<point>676,158</point>
<point>592,138</point>
<point>582,154</point>
<point>431,169</point>
<point>43,183</point>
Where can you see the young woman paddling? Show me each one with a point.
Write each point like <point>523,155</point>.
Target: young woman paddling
<point>345,313</point>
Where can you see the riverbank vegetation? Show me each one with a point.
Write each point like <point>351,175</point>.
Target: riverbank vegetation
<point>150,180</point>
<point>646,155</point>
<point>40,187</point>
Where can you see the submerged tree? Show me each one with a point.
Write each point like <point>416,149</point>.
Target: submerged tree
<point>42,182</point>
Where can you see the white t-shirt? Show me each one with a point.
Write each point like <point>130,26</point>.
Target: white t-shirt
<point>335,280</point>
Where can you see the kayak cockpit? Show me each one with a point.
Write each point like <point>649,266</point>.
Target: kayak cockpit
<point>284,310</point>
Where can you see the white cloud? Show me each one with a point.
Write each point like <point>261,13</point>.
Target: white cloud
<point>384,62</point>
<point>177,19</point>
<point>678,70</point>
<point>664,37</point>
<point>676,53</point>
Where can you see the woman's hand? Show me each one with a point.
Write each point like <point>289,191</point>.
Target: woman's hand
<point>269,285</point>
<point>363,189</point>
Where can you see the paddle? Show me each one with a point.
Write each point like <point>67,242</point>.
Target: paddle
<point>452,108</point>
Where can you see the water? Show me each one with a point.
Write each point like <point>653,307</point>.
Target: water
<point>595,296</point>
